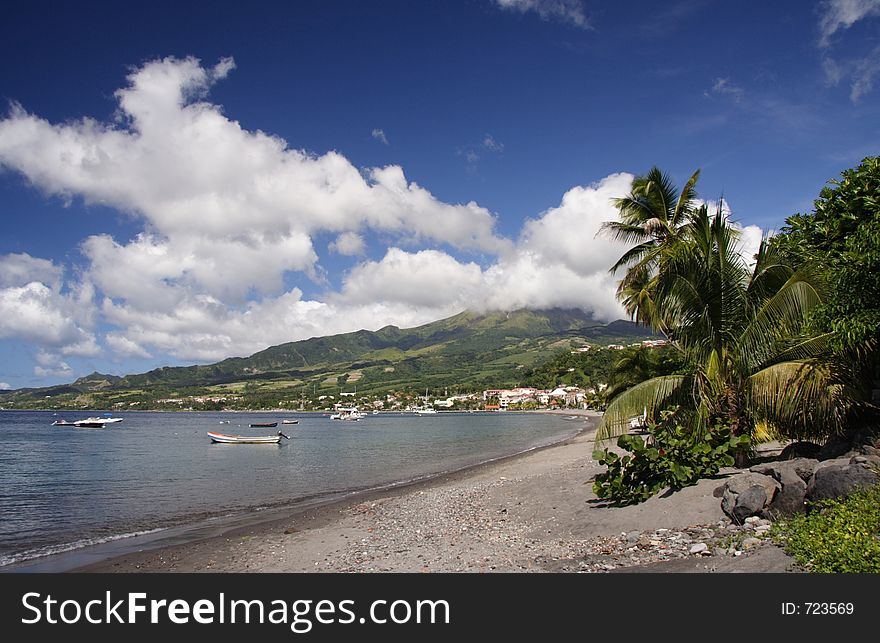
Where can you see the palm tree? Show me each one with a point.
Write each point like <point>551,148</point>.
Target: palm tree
<point>653,217</point>
<point>742,331</point>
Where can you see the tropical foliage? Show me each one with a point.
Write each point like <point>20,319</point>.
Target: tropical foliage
<point>653,217</point>
<point>637,364</point>
<point>842,235</point>
<point>839,538</point>
<point>670,458</point>
<point>740,324</point>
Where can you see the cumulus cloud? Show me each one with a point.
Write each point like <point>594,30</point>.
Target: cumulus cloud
<point>348,243</point>
<point>379,135</point>
<point>34,308</point>
<point>4,386</point>
<point>569,11</point>
<point>50,365</point>
<point>22,269</point>
<point>427,278</point>
<point>228,221</point>
<point>216,196</point>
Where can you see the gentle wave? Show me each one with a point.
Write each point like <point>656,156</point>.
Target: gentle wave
<point>64,548</point>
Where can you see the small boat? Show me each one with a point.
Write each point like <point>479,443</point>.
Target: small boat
<point>289,421</point>
<point>347,414</point>
<point>222,438</point>
<point>265,424</point>
<point>89,423</point>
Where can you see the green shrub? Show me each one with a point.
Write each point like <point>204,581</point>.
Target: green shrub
<point>842,535</point>
<point>670,458</point>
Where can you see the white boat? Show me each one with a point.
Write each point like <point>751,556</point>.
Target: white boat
<point>347,413</point>
<point>89,423</point>
<point>222,438</point>
<point>427,409</point>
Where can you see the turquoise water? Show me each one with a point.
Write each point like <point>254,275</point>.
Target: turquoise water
<point>64,489</point>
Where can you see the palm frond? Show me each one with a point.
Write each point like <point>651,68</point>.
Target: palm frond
<point>650,397</point>
<point>797,399</point>
<point>783,314</point>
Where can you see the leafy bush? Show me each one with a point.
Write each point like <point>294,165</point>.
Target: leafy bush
<point>670,458</point>
<point>842,536</point>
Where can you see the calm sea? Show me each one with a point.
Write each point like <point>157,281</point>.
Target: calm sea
<point>64,489</point>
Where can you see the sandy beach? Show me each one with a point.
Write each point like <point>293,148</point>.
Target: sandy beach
<point>534,512</point>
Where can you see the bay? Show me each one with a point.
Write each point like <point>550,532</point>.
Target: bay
<point>63,489</point>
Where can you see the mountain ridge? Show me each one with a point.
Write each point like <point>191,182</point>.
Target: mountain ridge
<point>470,348</point>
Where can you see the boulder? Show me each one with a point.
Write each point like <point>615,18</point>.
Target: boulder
<point>791,499</point>
<point>800,450</point>
<point>835,448</point>
<point>802,467</point>
<point>839,480</point>
<point>870,460</point>
<point>748,494</point>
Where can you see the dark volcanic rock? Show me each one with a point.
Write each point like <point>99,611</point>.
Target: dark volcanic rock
<point>800,450</point>
<point>839,480</point>
<point>834,448</point>
<point>804,468</point>
<point>748,494</point>
<point>791,499</point>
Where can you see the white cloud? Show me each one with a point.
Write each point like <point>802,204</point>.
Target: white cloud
<point>379,135</point>
<point>124,347</point>
<point>22,269</point>
<point>39,313</point>
<point>232,208</point>
<point>348,243</point>
<point>840,15</point>
<point>570,11</point>
<point>422,279</point>
<point>50,365</point>
<point>228,214</point>
<point>4,386</point>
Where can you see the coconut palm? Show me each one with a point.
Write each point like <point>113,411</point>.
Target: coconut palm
<point>742,331</point>
<point>652,217</point>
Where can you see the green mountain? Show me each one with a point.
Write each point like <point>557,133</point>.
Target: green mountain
<point>467,351</point>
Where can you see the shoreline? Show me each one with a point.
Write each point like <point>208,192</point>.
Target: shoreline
<point>533,511</point>
<point>94,556</point>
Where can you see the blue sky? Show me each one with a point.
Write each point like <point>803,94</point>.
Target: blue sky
<point>185,182</point>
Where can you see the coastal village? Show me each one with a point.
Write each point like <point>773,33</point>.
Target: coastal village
<point>518,398</point>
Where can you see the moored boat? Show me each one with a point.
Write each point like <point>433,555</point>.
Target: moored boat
<point>89,423</point>
<point>289,421</point>
<point>265,424</point>
<point>222,438</point>
<point>350,413</point>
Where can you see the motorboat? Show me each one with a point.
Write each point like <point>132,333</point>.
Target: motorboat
<point>349,413</point>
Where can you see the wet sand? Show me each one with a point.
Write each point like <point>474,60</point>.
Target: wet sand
<point>532,512</point>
